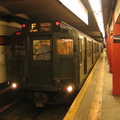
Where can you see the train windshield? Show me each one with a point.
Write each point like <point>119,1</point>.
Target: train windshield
<point>41,50</point>
<point>64,46</point>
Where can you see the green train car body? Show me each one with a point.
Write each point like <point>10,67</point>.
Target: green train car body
<point>52,57</point>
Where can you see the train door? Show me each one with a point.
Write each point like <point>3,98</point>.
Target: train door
<point>83,60</point>
<point>77,57</point>
<point>63,60</point>
<point>15,62</point>
<point>41,67</point>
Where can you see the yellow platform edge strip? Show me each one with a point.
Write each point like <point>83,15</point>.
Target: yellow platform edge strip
<point>74,107</point>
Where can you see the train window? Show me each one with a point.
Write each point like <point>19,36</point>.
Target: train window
<point>19,47</point>
<point>94,48</point>
<point>41,50</point>
<point>81,51</point>
<point>89,49</point>
<point>20,50</point>
<point>64,46</point>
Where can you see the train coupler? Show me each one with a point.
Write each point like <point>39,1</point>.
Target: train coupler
<point>40,99</point>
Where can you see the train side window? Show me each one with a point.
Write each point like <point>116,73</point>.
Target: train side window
<point>19,47</point>
<point>64,46</point>
<point>81,51</point>
<point>41,50</point>
<point>94,48</point>
<point>89,49</point>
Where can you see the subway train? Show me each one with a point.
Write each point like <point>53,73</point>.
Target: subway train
<point>51,60</point>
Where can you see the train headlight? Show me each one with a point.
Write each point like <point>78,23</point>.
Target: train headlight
<point>14,85</point>
<point>70,88</point>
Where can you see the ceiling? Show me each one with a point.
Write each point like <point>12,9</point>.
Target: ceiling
<point>47,10</point>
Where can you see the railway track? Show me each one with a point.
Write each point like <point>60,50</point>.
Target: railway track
<point>15,110</point>
<point>22,109</point>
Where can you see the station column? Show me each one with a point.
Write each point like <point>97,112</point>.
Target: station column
<point>116,59</point>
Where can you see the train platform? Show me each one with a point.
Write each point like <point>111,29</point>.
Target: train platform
<point>95,100</point>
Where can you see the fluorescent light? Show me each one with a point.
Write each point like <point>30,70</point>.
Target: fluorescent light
<point>77,8</point>
<point>96,7</point>
<point>99,17</point>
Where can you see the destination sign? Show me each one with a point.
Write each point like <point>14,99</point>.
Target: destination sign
<point>45,27</point>
<point>33,27</point>
<point>41,27</point>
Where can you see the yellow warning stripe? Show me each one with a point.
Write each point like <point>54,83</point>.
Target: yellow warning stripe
<point>95,111</point>
<point>74,107</point>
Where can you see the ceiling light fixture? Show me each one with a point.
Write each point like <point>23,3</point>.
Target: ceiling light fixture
<point>96,7</point>
<point>77,8</point>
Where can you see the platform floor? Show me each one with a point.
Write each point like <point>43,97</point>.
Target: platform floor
<point>95,100</point>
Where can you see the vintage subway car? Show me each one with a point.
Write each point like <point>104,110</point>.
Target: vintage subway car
<point>50,60</point>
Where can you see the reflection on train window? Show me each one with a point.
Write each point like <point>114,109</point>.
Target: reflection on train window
<point>41,50</point>
<point>94,45</point>
<point>89,49</point>
<point>19,50</point>
<point>64,46</point>
<point>81,50</point>
<point>19,47</point>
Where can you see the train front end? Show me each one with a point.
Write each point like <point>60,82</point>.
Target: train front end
<point>49,65</point>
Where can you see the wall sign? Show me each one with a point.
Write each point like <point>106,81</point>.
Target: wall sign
<point>116,39</point>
